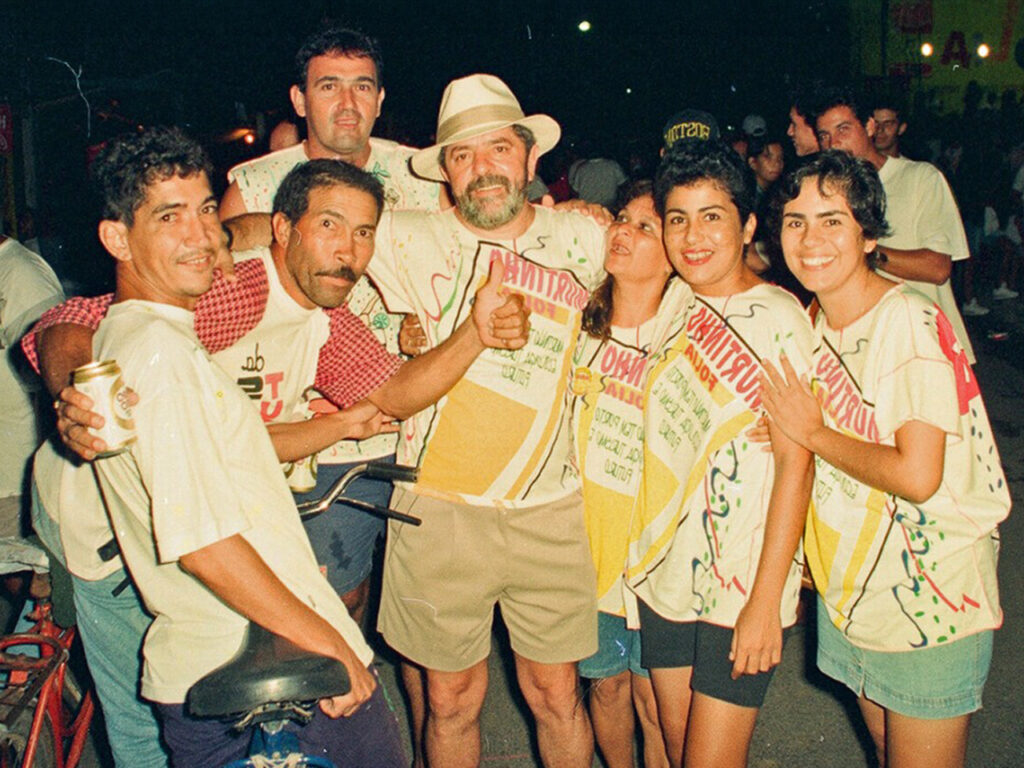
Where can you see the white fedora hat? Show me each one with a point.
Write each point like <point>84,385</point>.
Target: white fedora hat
<point>475,105</point>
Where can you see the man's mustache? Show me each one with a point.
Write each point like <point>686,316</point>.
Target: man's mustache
<point>489,180</point>
<point>345,273</point>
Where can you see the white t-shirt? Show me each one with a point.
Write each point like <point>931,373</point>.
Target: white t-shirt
<point>28,287</point>
<point>275,363</point>
<point>258,181</point>
<point>899,576</point>
<point>607,390</point>
<point>922,213</point>
<point>699,524</point>
<point>500,435</point>
<point>202,470</point>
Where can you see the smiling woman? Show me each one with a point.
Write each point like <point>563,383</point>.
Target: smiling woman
<point>902,541</point>
<point>714,547</point>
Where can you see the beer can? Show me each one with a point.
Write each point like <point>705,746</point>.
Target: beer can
<point>301,474</point>
<point>104,384</point>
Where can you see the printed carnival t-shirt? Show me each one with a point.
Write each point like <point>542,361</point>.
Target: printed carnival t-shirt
<point>500,435</point>
<point>699,525</point>
<point>607,390</point>
<point>895,575</point>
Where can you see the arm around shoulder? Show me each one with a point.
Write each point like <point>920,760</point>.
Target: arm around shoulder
<point>921,264</point>
<point>61,349</point>
<point>232,204</point>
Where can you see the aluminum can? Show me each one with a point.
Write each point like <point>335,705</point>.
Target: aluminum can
<point>301,474</point>
<point>105,385</point>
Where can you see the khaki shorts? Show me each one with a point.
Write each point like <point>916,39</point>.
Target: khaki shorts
<point>443,578</point>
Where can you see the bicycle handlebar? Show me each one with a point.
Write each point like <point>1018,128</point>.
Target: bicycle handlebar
<point>399,473</point>
<point>374,471</point>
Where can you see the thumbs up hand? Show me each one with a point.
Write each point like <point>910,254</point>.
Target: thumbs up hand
<point>500,316</point>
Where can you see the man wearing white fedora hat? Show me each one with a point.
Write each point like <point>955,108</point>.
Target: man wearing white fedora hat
<point>500,501</point>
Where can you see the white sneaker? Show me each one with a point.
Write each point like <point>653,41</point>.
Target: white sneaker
<point>1002,293</point>
<point>974,309</point>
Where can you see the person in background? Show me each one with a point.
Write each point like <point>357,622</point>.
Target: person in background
<point>927,235</point>
<point>28,287</point>
<point>285,134</point>
<point>801,122</point>
<point>764,156</point>
<point>889,127</point>
<point>754,126</point>
<point>689,124</point>
<point>596,179</point>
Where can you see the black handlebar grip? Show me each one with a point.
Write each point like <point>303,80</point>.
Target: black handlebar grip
<point>394,472</point>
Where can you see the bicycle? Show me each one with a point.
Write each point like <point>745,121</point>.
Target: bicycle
<point>270,681</point>
<point>44,716</point>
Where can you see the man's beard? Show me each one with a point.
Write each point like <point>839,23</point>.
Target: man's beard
<point>477,215</point>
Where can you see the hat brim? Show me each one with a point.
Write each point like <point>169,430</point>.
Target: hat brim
<point>545,130</point>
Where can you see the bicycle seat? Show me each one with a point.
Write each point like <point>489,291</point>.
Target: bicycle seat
<point>268,669</point>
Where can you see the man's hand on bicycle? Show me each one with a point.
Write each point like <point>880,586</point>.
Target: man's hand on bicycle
<point>75,416</point>
<point>500,317</point>
<point>363,684</point>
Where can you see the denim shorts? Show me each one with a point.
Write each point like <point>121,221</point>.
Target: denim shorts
<point>931,684</point>
<point>618,649</point>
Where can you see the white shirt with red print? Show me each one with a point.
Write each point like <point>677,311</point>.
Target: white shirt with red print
<point>897,575</point>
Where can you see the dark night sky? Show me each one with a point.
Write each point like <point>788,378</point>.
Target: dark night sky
<point>215,53</point>
<point>194,63</point>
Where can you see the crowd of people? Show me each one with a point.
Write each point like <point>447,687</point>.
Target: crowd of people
<point>631,431</point>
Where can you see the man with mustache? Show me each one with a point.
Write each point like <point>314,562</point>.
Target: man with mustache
<point>338,89</point>
<point>500,501</point>
<point>204,519</point>
<point>268,330</point>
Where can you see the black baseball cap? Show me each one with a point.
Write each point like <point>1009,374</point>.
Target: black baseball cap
<point>690,124</point>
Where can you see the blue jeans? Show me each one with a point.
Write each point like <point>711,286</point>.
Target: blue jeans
<point>344,538</point>
<point>367,739</point>
<point>112,628</point>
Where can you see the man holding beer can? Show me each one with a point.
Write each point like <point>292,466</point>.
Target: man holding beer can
<point>267,329</point>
